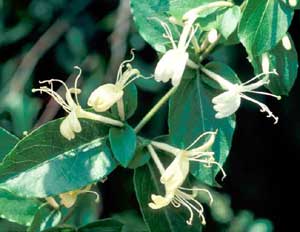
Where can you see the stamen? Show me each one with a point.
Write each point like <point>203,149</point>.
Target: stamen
<point>120,70</point>
<point>263,107</point>
<point>183,202</point>
<point>265,93</point>
<point>76,81</point>
<point>259,75</point>
<point>55,96</point>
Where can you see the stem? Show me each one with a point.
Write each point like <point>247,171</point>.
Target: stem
<point>51,201</point>
<point>209,49</point>
<point>165,147</point>
<point>156,160</point>
<point>216,77</point>
<point>121,111</point>
<point>100,118</point>
<point>154,109</point>
<point>68,216</point>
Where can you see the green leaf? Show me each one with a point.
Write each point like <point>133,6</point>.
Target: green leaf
<point>105,225</point>
<point>23,110</point>
<point>123,144</point>
<point>45,218</point>
<point>285,61</point>
<point>263,24</point>
<point>179,8</point>
<point>129,101</point>
<point>141,156</point>
<point>131,220</point>
<point>45,157</point>
<point>17,209</point>
<point>85,210</point>
<point>11,227</point>
<point>61,229</point>
<point>191,113</point>
<point>223,70</point>
<point>144,14</point>
<point>228,21</point>
<point>8,141</point>
<point>146,182</point>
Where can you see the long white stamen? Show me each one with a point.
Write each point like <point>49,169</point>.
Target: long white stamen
<point>264,93</point>
<point>263,107</point>
<point>183,202</point>
<point>55,96</point>
<point>259,75</point>
<point>120,70</point>
<point>76,81</point>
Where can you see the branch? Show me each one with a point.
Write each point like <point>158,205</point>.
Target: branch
<point>118,39</point>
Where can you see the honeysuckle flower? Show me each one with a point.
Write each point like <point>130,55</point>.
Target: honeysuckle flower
<point>175,174</point>
<point>68,199</point>
<point>105,96</point>
<point>172,64</point>
<point>71,124</point>
<point>228,102</point>
<point>200,154</point>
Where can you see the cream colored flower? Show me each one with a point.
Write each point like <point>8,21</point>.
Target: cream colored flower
<point>174,176</point>
<point>228,102</point>
<point>68,199</point>
<point>105,96</point>
<point>71,124</point>
<point>172,64</point>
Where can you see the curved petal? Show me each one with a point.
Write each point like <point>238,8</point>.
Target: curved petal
<point>176,173</point>
<point>66,130</point>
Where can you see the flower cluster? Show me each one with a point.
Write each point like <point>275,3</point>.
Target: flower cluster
<point>101,99</point>
<point>170,67</point>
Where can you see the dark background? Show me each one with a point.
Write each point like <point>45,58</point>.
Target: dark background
<point>262,154</point>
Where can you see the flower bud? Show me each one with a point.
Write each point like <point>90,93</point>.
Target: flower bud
<point>104,97</point>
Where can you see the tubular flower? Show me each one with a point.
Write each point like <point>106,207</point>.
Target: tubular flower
<point>229,101</point>
<point>172,64</point>
<point>105,96</point>
<point>68,199</point>
<point>174,176</point>
<point>71,124</point>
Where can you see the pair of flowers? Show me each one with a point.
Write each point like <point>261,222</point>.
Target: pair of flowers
<point>101,99</point>
<point>172,65</point>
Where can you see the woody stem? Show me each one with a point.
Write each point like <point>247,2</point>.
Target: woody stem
<point>154,109</point>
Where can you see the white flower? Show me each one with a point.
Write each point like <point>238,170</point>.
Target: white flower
<point>172,64</point>
<point>105,96</point>
<point>174,176</point>
<point>228,102</point>
<point>71,125</point>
